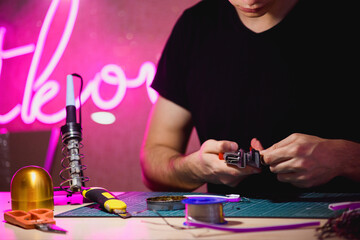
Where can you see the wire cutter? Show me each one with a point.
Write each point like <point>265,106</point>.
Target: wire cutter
<point>41,219</point>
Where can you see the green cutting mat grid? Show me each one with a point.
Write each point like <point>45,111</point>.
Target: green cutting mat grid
<point>307,205</point>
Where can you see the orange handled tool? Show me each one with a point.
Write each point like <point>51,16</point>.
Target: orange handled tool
<point>41,219</point>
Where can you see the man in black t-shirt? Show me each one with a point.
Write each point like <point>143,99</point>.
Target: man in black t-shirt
<point>276,75</point>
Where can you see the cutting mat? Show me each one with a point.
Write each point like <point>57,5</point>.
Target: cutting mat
<point>306,205</point>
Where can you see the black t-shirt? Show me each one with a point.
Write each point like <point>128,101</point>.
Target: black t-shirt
<point>299,76</point>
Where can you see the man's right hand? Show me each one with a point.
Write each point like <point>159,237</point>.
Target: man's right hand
<point>165,167</point>
<point>207,166</point>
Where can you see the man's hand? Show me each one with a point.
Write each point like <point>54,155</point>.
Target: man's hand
<point>207,165</point>
<point>307,161</point>
<point>164,162</point>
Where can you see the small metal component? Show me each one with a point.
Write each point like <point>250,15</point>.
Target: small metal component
<point>50,228</point>
<point>165,203</point>
<point>122,214</point>
<point>241,158</point>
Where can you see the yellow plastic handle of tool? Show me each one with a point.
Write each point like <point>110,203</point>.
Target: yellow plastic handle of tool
<point>113,205</point>
<point>105,199</point>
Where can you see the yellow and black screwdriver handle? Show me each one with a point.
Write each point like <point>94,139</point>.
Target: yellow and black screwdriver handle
<point>107,200</point>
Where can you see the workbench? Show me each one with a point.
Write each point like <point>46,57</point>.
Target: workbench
<point>148,227</point>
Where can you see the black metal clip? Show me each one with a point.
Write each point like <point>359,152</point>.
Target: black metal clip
<point>241,158</point>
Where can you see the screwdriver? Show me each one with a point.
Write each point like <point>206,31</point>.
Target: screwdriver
<point>107,200</point>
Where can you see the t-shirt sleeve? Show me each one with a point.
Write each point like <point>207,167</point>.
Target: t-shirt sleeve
<point>170,77</point>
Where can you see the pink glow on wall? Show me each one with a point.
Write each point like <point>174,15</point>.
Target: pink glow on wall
<point>113,45</point>
<point>7,54</point>
<point>39,90</point>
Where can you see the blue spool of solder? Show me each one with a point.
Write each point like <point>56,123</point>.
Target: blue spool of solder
<point>204,209</point>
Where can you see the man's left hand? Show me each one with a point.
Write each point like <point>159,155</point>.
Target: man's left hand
<point>307,161</point>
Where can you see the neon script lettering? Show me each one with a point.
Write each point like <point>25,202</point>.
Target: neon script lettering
<point>39,90</point>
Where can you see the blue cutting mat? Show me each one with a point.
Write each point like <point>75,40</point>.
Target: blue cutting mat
<point>306,205</point>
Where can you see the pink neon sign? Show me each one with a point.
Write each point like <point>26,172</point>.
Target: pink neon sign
<point>39,90</point>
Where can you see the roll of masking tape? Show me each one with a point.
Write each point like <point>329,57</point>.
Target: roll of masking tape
<point>204,209</point>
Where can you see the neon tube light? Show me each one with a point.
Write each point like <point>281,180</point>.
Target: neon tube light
<point>39,90</point>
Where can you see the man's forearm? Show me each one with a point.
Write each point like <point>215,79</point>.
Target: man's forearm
<point>350,154</point>
<point>165,169</point>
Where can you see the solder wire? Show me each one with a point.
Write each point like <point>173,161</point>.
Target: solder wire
<point>192,222</point>
<point>209,213</point>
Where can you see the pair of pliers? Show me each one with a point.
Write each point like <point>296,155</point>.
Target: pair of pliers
<point>241,158</point>
<point>41,219</point>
